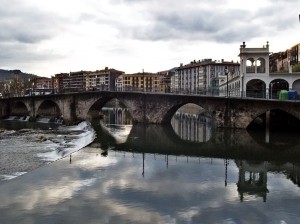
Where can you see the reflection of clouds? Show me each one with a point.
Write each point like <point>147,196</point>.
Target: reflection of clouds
<point>50,194</point>
<point>112,190</point>
<point>94,160</point>
<point>119,132</point>
<point>135,213</point>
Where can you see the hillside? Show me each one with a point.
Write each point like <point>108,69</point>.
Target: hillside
<point>10,74</point>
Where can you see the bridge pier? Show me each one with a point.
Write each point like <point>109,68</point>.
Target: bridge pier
<point>5,108</point>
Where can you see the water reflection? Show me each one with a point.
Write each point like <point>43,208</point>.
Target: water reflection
<point>252,179</point>
<point>115,115</point>
<point>275,140</point>
<point>149,174</point>
<point>192,127</point>
<point>171,189</point>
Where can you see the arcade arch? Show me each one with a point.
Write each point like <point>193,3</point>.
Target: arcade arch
<point>256,88</point>
<point>296,85</point>
<point>276,86</point>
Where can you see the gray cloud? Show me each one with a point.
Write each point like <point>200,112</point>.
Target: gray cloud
<point>195,22</point>
<point>25,28</point>
<point>197,25</point>
<point>25,24</point>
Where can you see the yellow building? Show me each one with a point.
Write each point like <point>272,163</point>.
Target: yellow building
<point>142,81</point>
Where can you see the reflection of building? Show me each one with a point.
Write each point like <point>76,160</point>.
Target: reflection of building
<point>116,116</point>
<point>192,127</point>
<point>252,179</point>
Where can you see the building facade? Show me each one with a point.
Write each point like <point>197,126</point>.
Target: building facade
<point>102,79</point>
<point>42,83</point>
<point>255,77</point>
<point>189,78</point>
<point>203,76</point>
<point>142,81</point>
<point>219,73</point>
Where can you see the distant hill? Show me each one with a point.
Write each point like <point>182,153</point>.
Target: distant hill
<point>10,74</point>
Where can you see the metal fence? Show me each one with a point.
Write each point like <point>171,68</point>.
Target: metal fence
<point>200,92</point>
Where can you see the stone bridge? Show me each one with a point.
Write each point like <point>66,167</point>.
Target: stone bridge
<point>145,107</point>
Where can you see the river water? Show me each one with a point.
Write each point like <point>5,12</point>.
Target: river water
<point>185,173</point>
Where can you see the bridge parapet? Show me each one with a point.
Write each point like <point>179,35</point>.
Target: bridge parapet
<point>147,107</point>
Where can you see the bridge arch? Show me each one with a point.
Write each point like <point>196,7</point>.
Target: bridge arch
<point>173,109</point>
<point>94,107</point>
<point>289,118</point>
<point>48,108</point>
<point>19,108</point>
<point>192,123</point>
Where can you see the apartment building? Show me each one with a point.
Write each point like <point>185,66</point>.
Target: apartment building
<point>165,79</point>
<point>203,76</point>
<point>295,54</point>
<point>102,79</point>
<point>42,83</point>
<point>219,72</point>
<point>142,81</point>
<point>69,82</point>
<point>279,62</point>
<point>60,82</point>
<point>284,61</point>
<point>77,81</point>
<point>189,78</point>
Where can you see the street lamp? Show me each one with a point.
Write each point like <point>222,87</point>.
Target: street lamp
<point>271,90</point>
<point>226,73</point>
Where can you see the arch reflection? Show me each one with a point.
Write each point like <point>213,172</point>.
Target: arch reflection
<point>192,124</point>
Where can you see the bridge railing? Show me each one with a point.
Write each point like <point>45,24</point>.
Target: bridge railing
<point>200,92</point>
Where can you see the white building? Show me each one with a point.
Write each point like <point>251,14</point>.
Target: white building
<point>203,77</point>
<point>255,79</point>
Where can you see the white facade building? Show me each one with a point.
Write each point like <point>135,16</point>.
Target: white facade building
<point>203,77</point>
<point>255,78</point>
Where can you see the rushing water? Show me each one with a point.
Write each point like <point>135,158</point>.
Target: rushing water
<point>185,173</point>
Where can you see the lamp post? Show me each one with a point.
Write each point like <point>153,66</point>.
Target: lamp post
<point>226,73</point>
<point>271,90</point>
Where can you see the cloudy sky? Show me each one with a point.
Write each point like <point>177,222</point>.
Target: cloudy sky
<point>52,36</point>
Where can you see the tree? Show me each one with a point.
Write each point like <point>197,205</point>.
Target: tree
<point>296,68</point>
